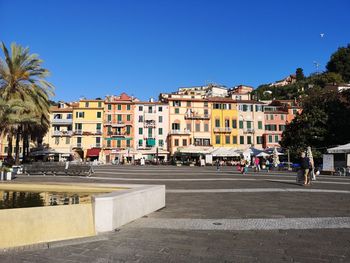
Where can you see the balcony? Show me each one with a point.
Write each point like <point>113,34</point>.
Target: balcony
<point>118,124</point>
<point>249,130</point>
<point>196,117</point>
<point>118,134</point>
<point>174,132</point>
<point>62,133</point>
<point>62,121</point>
<point>149,123</point>
<point>78,132</point>
<point>223,130</point>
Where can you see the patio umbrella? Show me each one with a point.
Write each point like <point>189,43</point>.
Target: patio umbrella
<point>275,158</point>
<point>263,154</point>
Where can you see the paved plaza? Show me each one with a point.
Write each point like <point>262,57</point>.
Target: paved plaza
<point>215,216</point>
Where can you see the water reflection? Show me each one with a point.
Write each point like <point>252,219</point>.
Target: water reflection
<point>15,199</point>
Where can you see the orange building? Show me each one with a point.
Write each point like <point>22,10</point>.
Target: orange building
<point>118,128</point>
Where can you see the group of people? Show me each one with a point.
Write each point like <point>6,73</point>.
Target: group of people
<point>243,164</point>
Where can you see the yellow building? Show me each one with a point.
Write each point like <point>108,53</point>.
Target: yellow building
<point>88,128</point>
<point>224,116</point>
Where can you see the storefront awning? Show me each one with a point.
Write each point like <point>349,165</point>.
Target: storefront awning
<point>94,152</point>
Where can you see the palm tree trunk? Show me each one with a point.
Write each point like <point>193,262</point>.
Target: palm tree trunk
<point>24,137</point>
<point>18,133</point>
<point>9,147</point>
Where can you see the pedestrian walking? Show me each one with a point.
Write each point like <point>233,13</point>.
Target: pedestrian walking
<point>267,163</point>
<point>305,167</point>
<point>257,164</point>
<point>217,165</point>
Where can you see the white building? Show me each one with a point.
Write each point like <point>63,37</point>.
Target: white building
<point>151,124</point>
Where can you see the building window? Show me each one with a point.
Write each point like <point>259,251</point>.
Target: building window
<point>99,115</point>
<point>67,140</point>
<point>198,127</point>
<point>150,109</point>
<point>217,139</point>
<point>260,125</point>
<point>177,110</point>
<point>276,138</point>
<point>108,143</point>
<point>128,117</point>
<point>241,139</point>
<point>128,107</point>
<point>227,123</point>
<point>140,131</point>
<point>249,124</point>
<point>184,142</point>
<point>270,138</point>
<point>249,139</point>
<point>150,133</point>
<point>79,114</point>
<point>86,104</point>
<point>188,104</point>
<point>161,143</point>
<point>206,113</point>
<point>119,107</point>
<point>99,104</point>
<point>128,130</point>
<point>282,117</point>
<point>234,124</point>
<point>227,139</point>
<point>140,108</point>
<point>160,119</point>
<point>282,127</point>
<point>188,126</point>
<point>128,143</point>
<point>217,123</point>
<point>140,118</point>
<point>79,139</point>
<point>175,126</point>
<point>119,117</point>
<point>160,108</point>
<point>109,106</point>
<point>176,142</point>
<point>98,127</point>
<point>206,127</point>
<point>241,124</point>
<point>271,116</point>
<point>160,131</point>
<point>206,104</point>
<point>177,103</point>
<point>259,139</point>
<point>234,139</point>
<point>109,118</point>
<point>98,141</point>
<point>119,144</point>
<point>57,140</point>
<point>140,143</point>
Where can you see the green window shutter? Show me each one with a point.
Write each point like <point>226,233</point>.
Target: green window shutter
<point>140,131</point>
<point>241,139</point>
<point>160,131</point>
<point>128,129</point>
<point>128,117</point>
<point>119,117</point>
<point>260,125</point>
<point>241,124</point>
<point>249,124</point>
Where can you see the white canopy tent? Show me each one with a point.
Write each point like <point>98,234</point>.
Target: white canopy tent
<point>225,152</point>
<point>340,149</point>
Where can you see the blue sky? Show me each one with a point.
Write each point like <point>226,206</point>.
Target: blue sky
<point>98,48</point>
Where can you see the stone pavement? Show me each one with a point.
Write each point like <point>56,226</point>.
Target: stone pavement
<point>216,217</point>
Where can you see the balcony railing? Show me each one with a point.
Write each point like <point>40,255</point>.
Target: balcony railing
<point>223,129</point>
<point>62,121</point>
<point>98,132</point>
<point>180,132</point>
<point>62,133</point>
<point>78,132</point>
<point>248,130</point>
<point>118,134</point>
<point>118,124</point>
<point>149,123</point>
<point>196,117</point>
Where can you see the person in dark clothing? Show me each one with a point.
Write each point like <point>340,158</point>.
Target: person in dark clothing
<point>305,166</point>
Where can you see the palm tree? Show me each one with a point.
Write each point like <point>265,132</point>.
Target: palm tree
<point>23,86</point>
